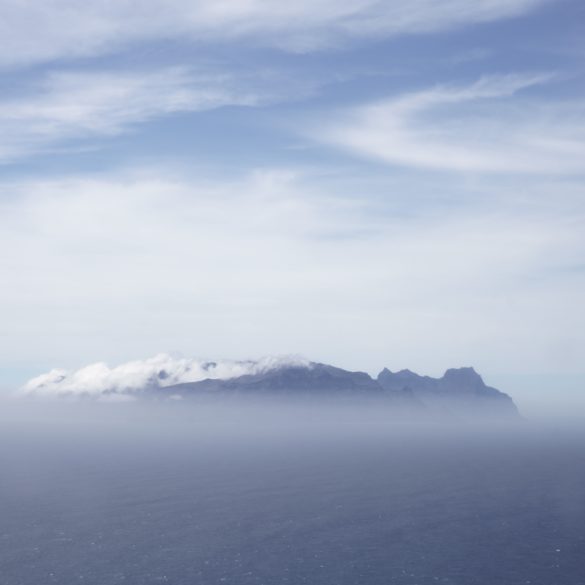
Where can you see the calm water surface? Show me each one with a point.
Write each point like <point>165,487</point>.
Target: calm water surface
<point>138,503</point>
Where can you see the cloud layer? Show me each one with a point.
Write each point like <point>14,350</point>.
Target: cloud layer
<point>64,29</point>
<point>272,262</point>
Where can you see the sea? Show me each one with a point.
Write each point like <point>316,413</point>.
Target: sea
<point>120,494</point>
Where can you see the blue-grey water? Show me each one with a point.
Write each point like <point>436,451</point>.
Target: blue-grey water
<point>144,498</point>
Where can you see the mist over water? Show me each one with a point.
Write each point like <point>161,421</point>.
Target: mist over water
<point>276,492</point>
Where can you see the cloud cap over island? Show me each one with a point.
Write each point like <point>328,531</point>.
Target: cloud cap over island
<point>165,377</point>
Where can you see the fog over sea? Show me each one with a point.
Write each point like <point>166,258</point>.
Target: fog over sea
<point>275,493</point>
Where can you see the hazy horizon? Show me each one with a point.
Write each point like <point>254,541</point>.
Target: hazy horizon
<point>529,392</point>
<point>141,495</point>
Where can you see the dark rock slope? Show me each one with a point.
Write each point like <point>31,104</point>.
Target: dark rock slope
<point>459,392</point>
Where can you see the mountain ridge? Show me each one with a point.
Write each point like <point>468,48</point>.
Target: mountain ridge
<point>458,391</point>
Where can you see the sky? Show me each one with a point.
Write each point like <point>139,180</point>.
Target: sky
<point>369,184</point>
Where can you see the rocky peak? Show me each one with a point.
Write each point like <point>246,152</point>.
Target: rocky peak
<point>461,379</point>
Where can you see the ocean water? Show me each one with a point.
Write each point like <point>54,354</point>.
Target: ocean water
<point>123,496</point>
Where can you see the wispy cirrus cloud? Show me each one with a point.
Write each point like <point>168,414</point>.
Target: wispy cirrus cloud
<point>485,127</point>
<point>35,32</point>
<point>72,105</point>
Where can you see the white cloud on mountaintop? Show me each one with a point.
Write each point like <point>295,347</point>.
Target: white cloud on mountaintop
<point>159,371</point>
<point>33,31</point>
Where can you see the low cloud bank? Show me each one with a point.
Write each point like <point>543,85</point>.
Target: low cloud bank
<point>99,380</point>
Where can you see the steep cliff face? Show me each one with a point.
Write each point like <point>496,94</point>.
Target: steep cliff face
<point>458,391</point>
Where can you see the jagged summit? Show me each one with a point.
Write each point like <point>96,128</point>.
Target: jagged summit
<point>465,376</point>
<point>458,390</point>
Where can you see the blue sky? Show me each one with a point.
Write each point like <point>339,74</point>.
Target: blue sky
<point>369,184</point>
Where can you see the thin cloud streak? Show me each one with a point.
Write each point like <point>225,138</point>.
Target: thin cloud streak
<point>70,106</point>
<point>485,127</point>
<point>34,32</point>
